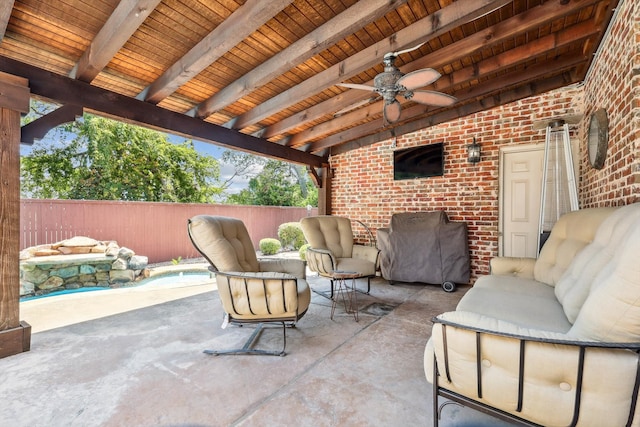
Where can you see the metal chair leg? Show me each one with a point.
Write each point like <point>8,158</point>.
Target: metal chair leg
<point>246,348</point>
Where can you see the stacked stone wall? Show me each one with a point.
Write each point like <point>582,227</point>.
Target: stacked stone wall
<point>76,263</point>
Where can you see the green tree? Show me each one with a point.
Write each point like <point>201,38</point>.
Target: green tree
<point>110,160</point>
<point>278,184</point>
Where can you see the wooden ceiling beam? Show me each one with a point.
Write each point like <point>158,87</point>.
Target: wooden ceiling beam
<point>38,128</point>
<point>241,24</point>
<point>488,89</point>
<point>344,24</point>
<point>5,13</point>
<point>495,64</point>
<point>434,25</point>
<point>123,22</point>
<point>75,92</point>
<point>515,94</point>
<point>486,38</point>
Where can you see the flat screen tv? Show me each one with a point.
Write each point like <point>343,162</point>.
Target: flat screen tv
<point>419,162</point>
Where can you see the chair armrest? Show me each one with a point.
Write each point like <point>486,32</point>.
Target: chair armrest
<point>258,295</point>
<point>321,261</point>
<point>295,267</point>
<point>512,266</point>
<point>544,377</point>
<point>368,253</point>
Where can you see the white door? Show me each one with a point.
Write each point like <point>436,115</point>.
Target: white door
<point>521,179</point>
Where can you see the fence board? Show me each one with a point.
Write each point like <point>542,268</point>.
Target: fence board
<point>155,230</point>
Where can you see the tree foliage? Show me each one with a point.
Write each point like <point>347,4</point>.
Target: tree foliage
<point>276,184</point>
<point>110,160</point>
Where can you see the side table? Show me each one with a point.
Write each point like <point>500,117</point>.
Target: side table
<point>348,293</point>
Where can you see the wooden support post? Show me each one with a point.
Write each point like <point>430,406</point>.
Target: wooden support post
<point>15,336</point>
<point>324,192</point>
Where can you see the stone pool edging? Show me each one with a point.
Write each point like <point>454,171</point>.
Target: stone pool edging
<point>79,262</point>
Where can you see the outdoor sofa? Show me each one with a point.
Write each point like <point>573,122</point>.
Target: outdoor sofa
<point>552,341</point>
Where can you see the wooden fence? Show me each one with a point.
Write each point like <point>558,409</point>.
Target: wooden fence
<point>155,230</point>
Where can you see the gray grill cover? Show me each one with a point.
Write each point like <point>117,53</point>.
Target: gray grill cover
<point>424,247</point>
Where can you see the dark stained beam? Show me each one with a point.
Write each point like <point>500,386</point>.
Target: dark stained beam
<point>38,128</point>
<point>123,22</point>
<point>346,23</point>
<point>69,91</point>
<point>492,65</point>
<point>5,13</point>
<point>487,102</point>
<point>486,38</point>
<point>242,23</point>
<point>427,28</point>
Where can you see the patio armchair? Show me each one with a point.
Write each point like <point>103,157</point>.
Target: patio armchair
<point>251,291</point>
<point>332,249</point>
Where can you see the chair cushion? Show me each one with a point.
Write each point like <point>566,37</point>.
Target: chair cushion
<point>523,302</point>
<point>268,295</point>
<point>570,234</point>
<point>328,232</point>
<point>574,286</point>
<point>225,240</point>
<point>611,312</point>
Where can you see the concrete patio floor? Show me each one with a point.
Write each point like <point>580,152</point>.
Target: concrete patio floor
<point>133,357</point>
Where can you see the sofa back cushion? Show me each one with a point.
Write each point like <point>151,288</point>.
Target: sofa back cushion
<point>570,234</point>
<point>611,311</point>
<point>574,286</point>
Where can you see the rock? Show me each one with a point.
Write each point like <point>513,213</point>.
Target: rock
<point>99,249</point>
<point>27,288</point>
<point>138,262</point>
<point>102,276</point>
<point>87,269</point>
<point>46,252</point>
<point>125,253</point>
<point>74,285</point>
<point>120,264</point>
<point>65,272</point>
<point>36,276</point>
<point>112,249</point>
<point>76,241</point>
<point>74,250</point>
<point>121,276</point>
<point>51,283</point>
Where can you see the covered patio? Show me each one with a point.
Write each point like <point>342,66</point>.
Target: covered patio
<point>145,366</point>
<point>265,77</point>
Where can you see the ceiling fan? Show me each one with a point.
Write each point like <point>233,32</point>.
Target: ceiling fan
<point>393,82</point>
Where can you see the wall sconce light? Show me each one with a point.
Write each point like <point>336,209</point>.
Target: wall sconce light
<point>473,152</point>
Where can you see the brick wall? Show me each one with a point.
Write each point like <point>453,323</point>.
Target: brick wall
<point>614,84</point>
<point>364,189</point>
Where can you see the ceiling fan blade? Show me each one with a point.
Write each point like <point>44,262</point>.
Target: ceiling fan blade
<point>411,49</point>
<point>419,78</point>
<point>430,97</point>
<point>391,111</point>
<point>357,86</point>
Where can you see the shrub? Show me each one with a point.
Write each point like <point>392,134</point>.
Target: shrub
<point>269,246</point>
<point>290,235</point>
<point>303,251</point>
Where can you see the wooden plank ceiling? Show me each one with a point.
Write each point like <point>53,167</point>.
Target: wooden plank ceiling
<point>262,75</point>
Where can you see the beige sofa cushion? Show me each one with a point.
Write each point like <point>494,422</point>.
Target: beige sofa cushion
<point>611,312</point>
<point>574,286</point>
<point>523,302</point>
<point>569,235</point>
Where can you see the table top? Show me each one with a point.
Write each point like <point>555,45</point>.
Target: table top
<point>341,274</point>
